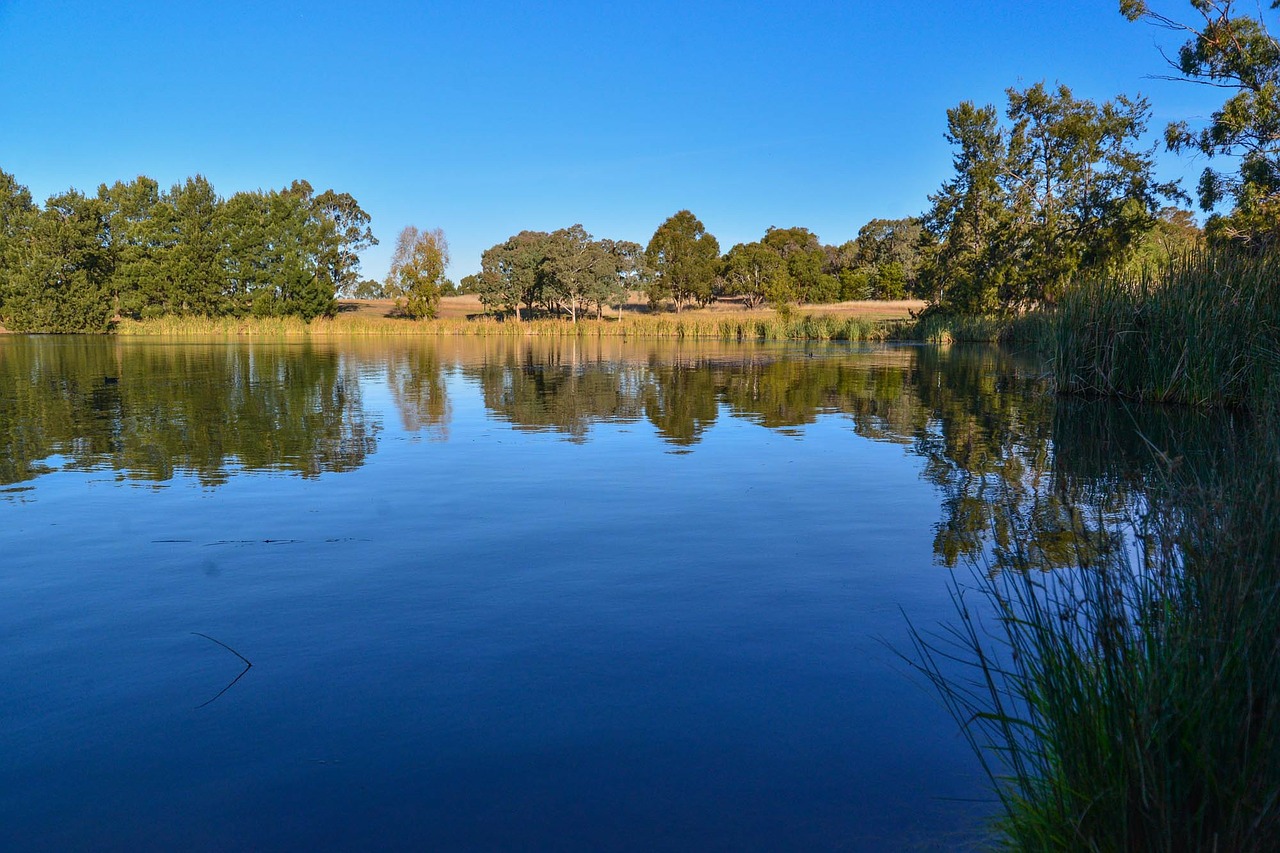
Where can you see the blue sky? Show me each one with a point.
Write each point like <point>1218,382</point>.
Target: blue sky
<point>486,118</point>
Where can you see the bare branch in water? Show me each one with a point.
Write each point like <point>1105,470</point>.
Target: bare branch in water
<point>248,665</point>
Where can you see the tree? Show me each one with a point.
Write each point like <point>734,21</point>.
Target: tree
<point>757,274</point>
<point>134,242</point>
<point>578,269</point>
<point>369,289</point>
<point>631,270</point>
<point>967,214</point>
<point>59,275</point>
<point>271,246</point>
<point>511,272</point>
<point>1084,193</point>
<point>417,271</point>
<point>1175,235</point>
<point>192,262</point>
<point>1235,52</point>
<point>350,235</point>
<point>1063,188</point>
<point>17,212</point>
<point>806,261</point>
<point>683,257</point>
<point>888,252</point>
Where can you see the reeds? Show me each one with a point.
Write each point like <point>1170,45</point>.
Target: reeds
<point>1133,703</point>
<point>1204,331</point>
<point>818,327</point>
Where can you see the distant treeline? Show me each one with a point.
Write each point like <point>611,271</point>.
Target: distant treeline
<point>133,250</point>
<point>569,271</point>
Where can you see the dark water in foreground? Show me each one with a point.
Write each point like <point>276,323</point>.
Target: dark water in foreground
<point>505,594</point>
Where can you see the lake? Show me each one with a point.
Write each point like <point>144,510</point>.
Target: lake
<point>512,593</point>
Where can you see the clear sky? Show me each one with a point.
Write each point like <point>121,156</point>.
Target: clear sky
<point>486,118</point>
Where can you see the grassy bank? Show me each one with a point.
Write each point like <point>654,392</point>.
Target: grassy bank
<point>1134,703</point>
<point>813,327</point>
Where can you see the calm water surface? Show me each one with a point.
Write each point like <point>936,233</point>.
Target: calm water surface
<point>499,594</point>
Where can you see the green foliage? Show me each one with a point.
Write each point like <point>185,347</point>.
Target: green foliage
<point>806,262</point>
<point>59,272</point>
<point>683,257</point>
<point>757,274</point>
<point>632,272</point>
<point>417,273</point>
<point>1236,52</point>
<point>16,215</point>
<point>370,289</point>
<point>885,260</point>
<point>1174,236</point>
<point>579,270</point>
<point>567,270</point>
<point>511,272</point>
<point>347,234</point>
<point>1060,190</point>
<point>184,251</point>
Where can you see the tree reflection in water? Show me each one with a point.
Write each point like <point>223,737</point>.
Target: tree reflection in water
<point>1011,461</point>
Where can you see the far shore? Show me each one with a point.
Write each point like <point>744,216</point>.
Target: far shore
<point>727,319</point>
<point>470,307</point>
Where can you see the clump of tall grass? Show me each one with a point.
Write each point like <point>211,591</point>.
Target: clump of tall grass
<point>1133,703</point>
<point>935,327</point>
<point>1203,331</point>
<point>938,327</point>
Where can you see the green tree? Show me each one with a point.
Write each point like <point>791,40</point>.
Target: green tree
<point>683,257</point>
<point>242,230</point>
<point>757,274</point>
<point>60,275</point>
<point>134,242</point>
<point>806,261</point>
<point>511,273</point>
<point>1063,188</point>
<point>348,234</point>
<point>191,262</point>
<point>1233,51</point>
<point>631,271</point>
<point>17,212</point>
<point>968,214</point>
<point>369,289</point>
<point>272,246</point>
<point>417,271</point>
<point>577,269</point>
<point>887,251</point>
<point>1175,234</point>
<point>1085,193</point>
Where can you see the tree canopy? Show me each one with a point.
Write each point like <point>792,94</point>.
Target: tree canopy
<point>134,250</point>
<point>683,257</point>
<point>1234,51</point>
<point>1061,188</point>
<point>417,275</point>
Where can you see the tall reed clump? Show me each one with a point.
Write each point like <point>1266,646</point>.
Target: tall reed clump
<point>942,328</point>
<point>1133,703</point>
<point>1203,331</point>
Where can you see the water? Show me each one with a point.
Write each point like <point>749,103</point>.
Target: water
<point>507,594</point>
